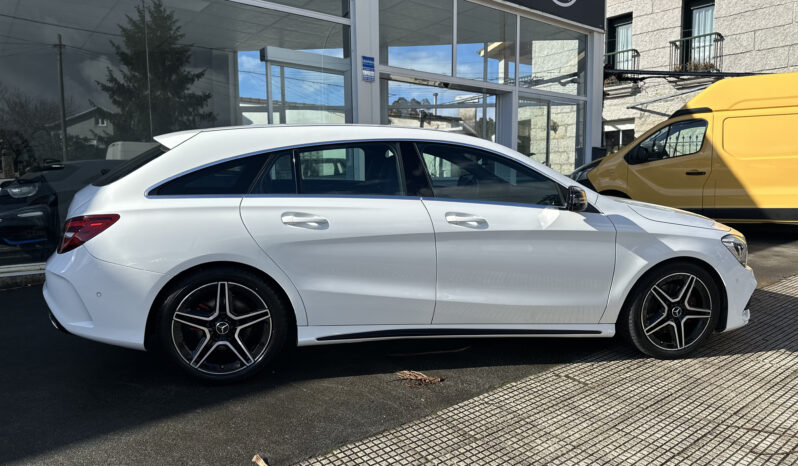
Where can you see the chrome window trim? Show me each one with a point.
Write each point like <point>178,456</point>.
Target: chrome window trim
<point>149,195</point>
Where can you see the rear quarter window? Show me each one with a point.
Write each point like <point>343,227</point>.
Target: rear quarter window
<point>234,177</point>
<point>129,166</point>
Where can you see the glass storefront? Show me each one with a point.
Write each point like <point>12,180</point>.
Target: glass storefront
<point>130,72</point>
<point>134,69</point>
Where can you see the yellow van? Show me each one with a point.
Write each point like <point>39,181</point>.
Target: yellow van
<point>730,153</point>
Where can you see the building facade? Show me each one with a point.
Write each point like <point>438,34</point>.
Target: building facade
<point>94,81</point>
<point>727,36</point>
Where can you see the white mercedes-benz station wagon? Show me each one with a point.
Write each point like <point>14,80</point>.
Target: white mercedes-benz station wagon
<point>222,246</point>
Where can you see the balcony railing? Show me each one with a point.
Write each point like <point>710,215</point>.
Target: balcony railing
<point>698,53</point>
<point>623,60</point>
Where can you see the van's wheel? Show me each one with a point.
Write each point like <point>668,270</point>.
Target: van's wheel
<point>223,324</point>
<point>674,310</point>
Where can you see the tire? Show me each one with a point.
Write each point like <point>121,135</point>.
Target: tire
<point>211,342</point>
<point>672,311</point>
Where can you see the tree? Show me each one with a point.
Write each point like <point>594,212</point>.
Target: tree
<point>26,133</point>
<point>174,106</point>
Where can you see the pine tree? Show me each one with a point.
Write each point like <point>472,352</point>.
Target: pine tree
<point>174,106</point>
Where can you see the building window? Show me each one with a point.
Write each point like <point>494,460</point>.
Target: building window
<point>698,21</point>
<point>552,132</point>
<point>102,121</point>
<point>552,58</point>
<point>620,53</point>
<point>618,134</point>
<point>417,34</point>
<point>485,43</point>
<point>445,109</point>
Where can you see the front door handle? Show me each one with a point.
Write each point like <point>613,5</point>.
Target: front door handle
<point>302,219</point>
<point>457,218</point>
<point>695,173</point>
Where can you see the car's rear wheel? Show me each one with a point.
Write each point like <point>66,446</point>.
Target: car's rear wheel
<point>674,309</point>
<point>223,324</point>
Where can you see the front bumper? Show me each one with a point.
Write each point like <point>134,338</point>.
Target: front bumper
<point>99,300</point>
<point>740,285</point>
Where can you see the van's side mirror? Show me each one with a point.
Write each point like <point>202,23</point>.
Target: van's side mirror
<point>577,199</point>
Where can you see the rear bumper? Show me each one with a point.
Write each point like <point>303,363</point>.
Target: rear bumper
<point>98,300</point>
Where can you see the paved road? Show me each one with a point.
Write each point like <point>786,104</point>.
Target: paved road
<point>734,402</point>
<point>67,400</point>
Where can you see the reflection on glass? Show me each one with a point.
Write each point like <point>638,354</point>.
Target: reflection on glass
<point>330,7</point>
<point>552,133</point>
<point>552,58</point>
<point>485,43</point>
<point>443,109</point>
<point>201,64</point>
<point>533,121</point>
<point>417,34</point>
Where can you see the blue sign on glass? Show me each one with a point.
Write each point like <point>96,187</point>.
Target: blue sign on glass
<point>368,68</point>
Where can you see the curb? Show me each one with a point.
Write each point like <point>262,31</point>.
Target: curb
<point>15,276</point>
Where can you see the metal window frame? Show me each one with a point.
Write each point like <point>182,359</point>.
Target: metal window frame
<point>296,11</point>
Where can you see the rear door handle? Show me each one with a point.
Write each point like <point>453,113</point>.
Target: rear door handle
<point>457,218</point>
<point>304,220</point>
<point>695,173</point>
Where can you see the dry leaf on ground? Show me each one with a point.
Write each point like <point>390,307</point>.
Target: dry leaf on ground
<point>417,378</point>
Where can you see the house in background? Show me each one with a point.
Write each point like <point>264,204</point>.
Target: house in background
<point>86,125</point>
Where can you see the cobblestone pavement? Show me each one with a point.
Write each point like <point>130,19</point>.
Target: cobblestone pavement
<point>736,402</point>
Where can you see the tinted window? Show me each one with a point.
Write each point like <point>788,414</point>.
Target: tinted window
<point>356,169</point>
<point>233,177</point>
<point>278,177</point>
<point>465,173</point>
<point>129,166</point>
<point>676,140</point>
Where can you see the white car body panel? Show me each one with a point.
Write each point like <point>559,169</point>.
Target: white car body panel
<point>373,262</point>
<point>525,264</point>
<point>391,282</point>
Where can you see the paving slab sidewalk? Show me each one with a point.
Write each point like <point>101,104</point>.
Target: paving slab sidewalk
<point>736,401</point>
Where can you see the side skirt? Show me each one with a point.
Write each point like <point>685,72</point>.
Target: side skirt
<point>330,334</point>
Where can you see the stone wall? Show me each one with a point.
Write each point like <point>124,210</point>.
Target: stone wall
<point>760,36</point>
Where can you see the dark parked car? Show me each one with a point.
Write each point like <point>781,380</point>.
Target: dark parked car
<point>33,207</point>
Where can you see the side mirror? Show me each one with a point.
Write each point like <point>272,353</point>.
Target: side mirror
<point>577,199</point>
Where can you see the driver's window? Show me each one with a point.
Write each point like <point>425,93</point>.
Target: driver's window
<point>680,138</point>
<point>653,148</point>
<point>458,172</point>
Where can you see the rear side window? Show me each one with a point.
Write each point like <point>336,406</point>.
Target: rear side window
<point>233,177</point>
<point>354,169</point>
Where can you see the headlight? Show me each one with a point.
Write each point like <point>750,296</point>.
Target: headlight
<point>18,191</point>
<point>580,173</point>
<point>737,246</point>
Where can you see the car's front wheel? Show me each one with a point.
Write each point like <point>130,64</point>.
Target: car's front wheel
<point>222,324</point>
<point>674,309</point>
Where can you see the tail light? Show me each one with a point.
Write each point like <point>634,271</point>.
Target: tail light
<point>78,230</point>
